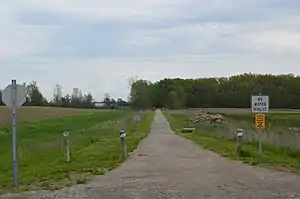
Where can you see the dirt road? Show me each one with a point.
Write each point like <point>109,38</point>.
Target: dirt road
<point>168,166</point>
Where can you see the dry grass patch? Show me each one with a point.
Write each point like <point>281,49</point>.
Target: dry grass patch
<point>37,113</point>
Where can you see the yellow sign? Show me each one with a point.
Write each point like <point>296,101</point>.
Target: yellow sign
<point>260,121</point>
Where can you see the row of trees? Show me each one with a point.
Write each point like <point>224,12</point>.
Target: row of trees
<point>77,99</point>
<point>227,92</point>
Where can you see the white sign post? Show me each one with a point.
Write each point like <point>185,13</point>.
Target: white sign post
<point>260,105</point>
<point>14,96</point>
<point>123,143</point>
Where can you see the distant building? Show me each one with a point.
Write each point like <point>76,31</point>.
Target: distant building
<point>99,104</point>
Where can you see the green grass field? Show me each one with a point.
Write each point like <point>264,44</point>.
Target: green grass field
<point>218,139</point>
<point>282,127</point>
<point>94,146</point>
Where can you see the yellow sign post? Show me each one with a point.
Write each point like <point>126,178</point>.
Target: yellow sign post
<point>260,121</point>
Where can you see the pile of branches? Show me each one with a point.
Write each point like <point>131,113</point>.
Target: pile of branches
<point>209,117</point>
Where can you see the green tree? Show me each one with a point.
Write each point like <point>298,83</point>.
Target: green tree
<point>88,99</point>
<point>140,94</point>
<point>76,98</point>
<point>66,101</point>
<point>107,100</point>
<point>173,100</point>
<point>34,96</point>
<point>232,92</point>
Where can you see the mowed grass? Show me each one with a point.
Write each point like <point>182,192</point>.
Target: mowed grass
<point>277,158</point>
<point>282,127</point>
<point>94,146</point>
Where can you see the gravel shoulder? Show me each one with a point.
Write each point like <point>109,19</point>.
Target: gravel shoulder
<point>168,166</point>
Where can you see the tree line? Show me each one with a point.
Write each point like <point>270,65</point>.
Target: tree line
<point>77,99</point>
<point>218,92</point>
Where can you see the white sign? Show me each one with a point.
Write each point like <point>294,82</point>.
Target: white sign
<point>260,104</point>
<point>66,133</point>
<point>240,134</point>
<point>20,96</point>
<point>123,135</point>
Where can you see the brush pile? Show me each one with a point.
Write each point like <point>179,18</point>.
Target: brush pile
<point>209,117</point>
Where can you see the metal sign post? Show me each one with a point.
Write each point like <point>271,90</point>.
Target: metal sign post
<point>260,124</point>
<point>14,132</point>
<point>14,96</point>
<point>260,144</point>
<point>260,106</point>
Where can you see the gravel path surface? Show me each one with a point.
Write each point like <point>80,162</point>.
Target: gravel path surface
<point>168,166</point>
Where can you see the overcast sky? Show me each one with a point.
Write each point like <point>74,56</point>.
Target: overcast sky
<point>96,45</point>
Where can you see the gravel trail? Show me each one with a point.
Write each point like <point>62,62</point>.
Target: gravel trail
<point>168,166</point>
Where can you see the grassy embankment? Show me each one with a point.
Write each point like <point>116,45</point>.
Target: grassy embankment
<point>94,147</point>
<point>212,137</point>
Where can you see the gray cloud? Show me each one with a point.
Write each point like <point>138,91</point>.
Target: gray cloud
<point>98,45</point>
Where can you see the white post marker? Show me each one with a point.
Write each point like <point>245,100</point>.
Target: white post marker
<point>66,145</point>
<point>14,96</point>
<point>138,122</point>
<point>240,139</point>
<point>123,143</point>
<point>260,105</point>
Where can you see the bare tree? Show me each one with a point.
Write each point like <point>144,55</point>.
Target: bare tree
<point>57,94</point>
<point>106,100</point>
<point>76,98</point>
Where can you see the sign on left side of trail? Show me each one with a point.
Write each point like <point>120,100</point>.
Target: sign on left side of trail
<point>14,96</point>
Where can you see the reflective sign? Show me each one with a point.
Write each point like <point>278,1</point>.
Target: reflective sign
<point>260,104</point>
<point>7,97</point>
<point>260,121</point>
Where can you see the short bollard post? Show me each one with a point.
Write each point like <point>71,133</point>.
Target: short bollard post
<point>240,139</point>
<point>123,143</point>
<point>66,146</point>
<point>138,123</point>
